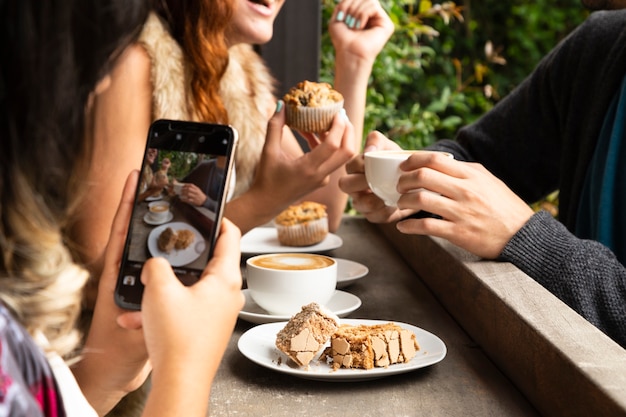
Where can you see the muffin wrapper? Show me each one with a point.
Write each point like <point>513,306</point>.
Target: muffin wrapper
<point>304,234</point>
<point>312,119</point>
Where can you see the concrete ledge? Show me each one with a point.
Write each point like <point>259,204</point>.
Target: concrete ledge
<point>562,363</point>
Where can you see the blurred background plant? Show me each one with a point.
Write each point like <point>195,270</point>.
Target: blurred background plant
<point>449,62</point>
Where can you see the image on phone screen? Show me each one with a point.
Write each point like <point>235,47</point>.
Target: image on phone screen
<point>179,201</point>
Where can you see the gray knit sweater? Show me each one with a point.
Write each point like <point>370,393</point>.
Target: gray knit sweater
<point>540,138</point>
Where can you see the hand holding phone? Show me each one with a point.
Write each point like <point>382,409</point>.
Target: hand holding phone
<point>180,227</point>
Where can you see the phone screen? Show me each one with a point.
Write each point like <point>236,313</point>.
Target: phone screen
<point>183,185</point>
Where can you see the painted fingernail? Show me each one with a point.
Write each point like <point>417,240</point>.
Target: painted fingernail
<point>279,106</point>
<point>349,21</point>
<point>358,24</point>
<point>340,16</point>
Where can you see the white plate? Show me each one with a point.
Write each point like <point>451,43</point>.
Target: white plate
<point>265,240</point>
<point>147,219</point>
<point>342,303</point>
<point>349,271</point>
<point>177,257</point>
<point>258,345</point>
<point>154,197</point>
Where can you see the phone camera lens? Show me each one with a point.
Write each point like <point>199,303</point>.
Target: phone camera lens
<point>179,136</point>
<point>201,139</point>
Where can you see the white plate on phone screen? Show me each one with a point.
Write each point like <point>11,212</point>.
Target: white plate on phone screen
<point>177,257</point>
<point>265,240</point>
<point>258,345</point>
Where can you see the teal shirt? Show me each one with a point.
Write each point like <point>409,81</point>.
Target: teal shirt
<point>602,210</point>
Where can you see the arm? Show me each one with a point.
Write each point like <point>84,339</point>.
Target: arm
<point>582,273</point>
<point>359,30</point>
<point>173,314</point>
<point>122,116</point>
<point>114,360</point>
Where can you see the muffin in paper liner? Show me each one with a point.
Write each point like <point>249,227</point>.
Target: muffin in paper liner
<point>303,234</point>
<point>312,119</point>
<point>311,106</point>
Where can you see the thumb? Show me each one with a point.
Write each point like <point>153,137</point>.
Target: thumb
<point>275,126</point>
<point>157,273</point>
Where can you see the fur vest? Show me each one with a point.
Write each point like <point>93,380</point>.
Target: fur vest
<point>247,91</point>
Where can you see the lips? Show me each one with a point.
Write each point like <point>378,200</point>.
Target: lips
<point>266,3</point>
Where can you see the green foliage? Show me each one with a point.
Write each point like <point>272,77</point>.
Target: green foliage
<point>448,63</point>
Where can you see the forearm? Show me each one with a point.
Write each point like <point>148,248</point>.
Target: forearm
<point>99,395</point>
<point>251,209</point>
<point>180,391</point>
<point>351,79</point>
<point>333,198</point>
<point>583,273</point>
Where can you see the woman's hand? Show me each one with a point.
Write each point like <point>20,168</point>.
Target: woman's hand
<point>187,329</point>
<point>114,360</point>
<point>355,185</point>
<point>283,178</point>
<point>479,212</point>
<point>192,194</point>
<point>360,29</point>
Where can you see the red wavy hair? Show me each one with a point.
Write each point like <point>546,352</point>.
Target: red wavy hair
<point>199,27</point>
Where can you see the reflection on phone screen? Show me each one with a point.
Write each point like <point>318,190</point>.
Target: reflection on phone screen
<point>175,212</point>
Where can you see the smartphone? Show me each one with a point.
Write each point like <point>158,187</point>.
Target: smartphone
<point>185,179</point>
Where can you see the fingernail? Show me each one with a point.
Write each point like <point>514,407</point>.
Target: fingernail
<point>370,148</point>
<point>340,16</point>
<point>350,21</point>
<point>279,106</point>
<point>358,24</point>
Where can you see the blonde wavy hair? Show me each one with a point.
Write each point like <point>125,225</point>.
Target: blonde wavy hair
<point>40,283</point>
<point>59,51</point>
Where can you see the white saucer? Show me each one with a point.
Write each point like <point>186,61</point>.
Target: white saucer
<point>342,304</point>
<point>147,219</point>
<point>349,271</point>
<point>265,240</point>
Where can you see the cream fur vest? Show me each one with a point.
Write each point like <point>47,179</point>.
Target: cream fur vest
<point>247,91</point>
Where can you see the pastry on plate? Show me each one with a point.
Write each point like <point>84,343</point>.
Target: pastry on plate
<point>302,224</point>
<point>306,333</point>
<point>370,346</point>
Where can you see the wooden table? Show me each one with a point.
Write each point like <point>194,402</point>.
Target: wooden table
<point>465,383</point>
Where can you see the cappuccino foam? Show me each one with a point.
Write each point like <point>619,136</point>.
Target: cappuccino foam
<point>293,261</point>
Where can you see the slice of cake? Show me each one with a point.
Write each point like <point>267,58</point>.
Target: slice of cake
<point>372,346</point>
<point>306,333</point>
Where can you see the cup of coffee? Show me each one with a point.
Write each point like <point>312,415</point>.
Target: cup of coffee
<point>382,171</point>
<point>178,188</point>
<point>281,283</point>
<point>158,211</point>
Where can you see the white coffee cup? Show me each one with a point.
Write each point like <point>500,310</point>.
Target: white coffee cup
<point>158,211</point>
<point>281,283</point>
<point>382,171</point>
<point>178,188</point>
